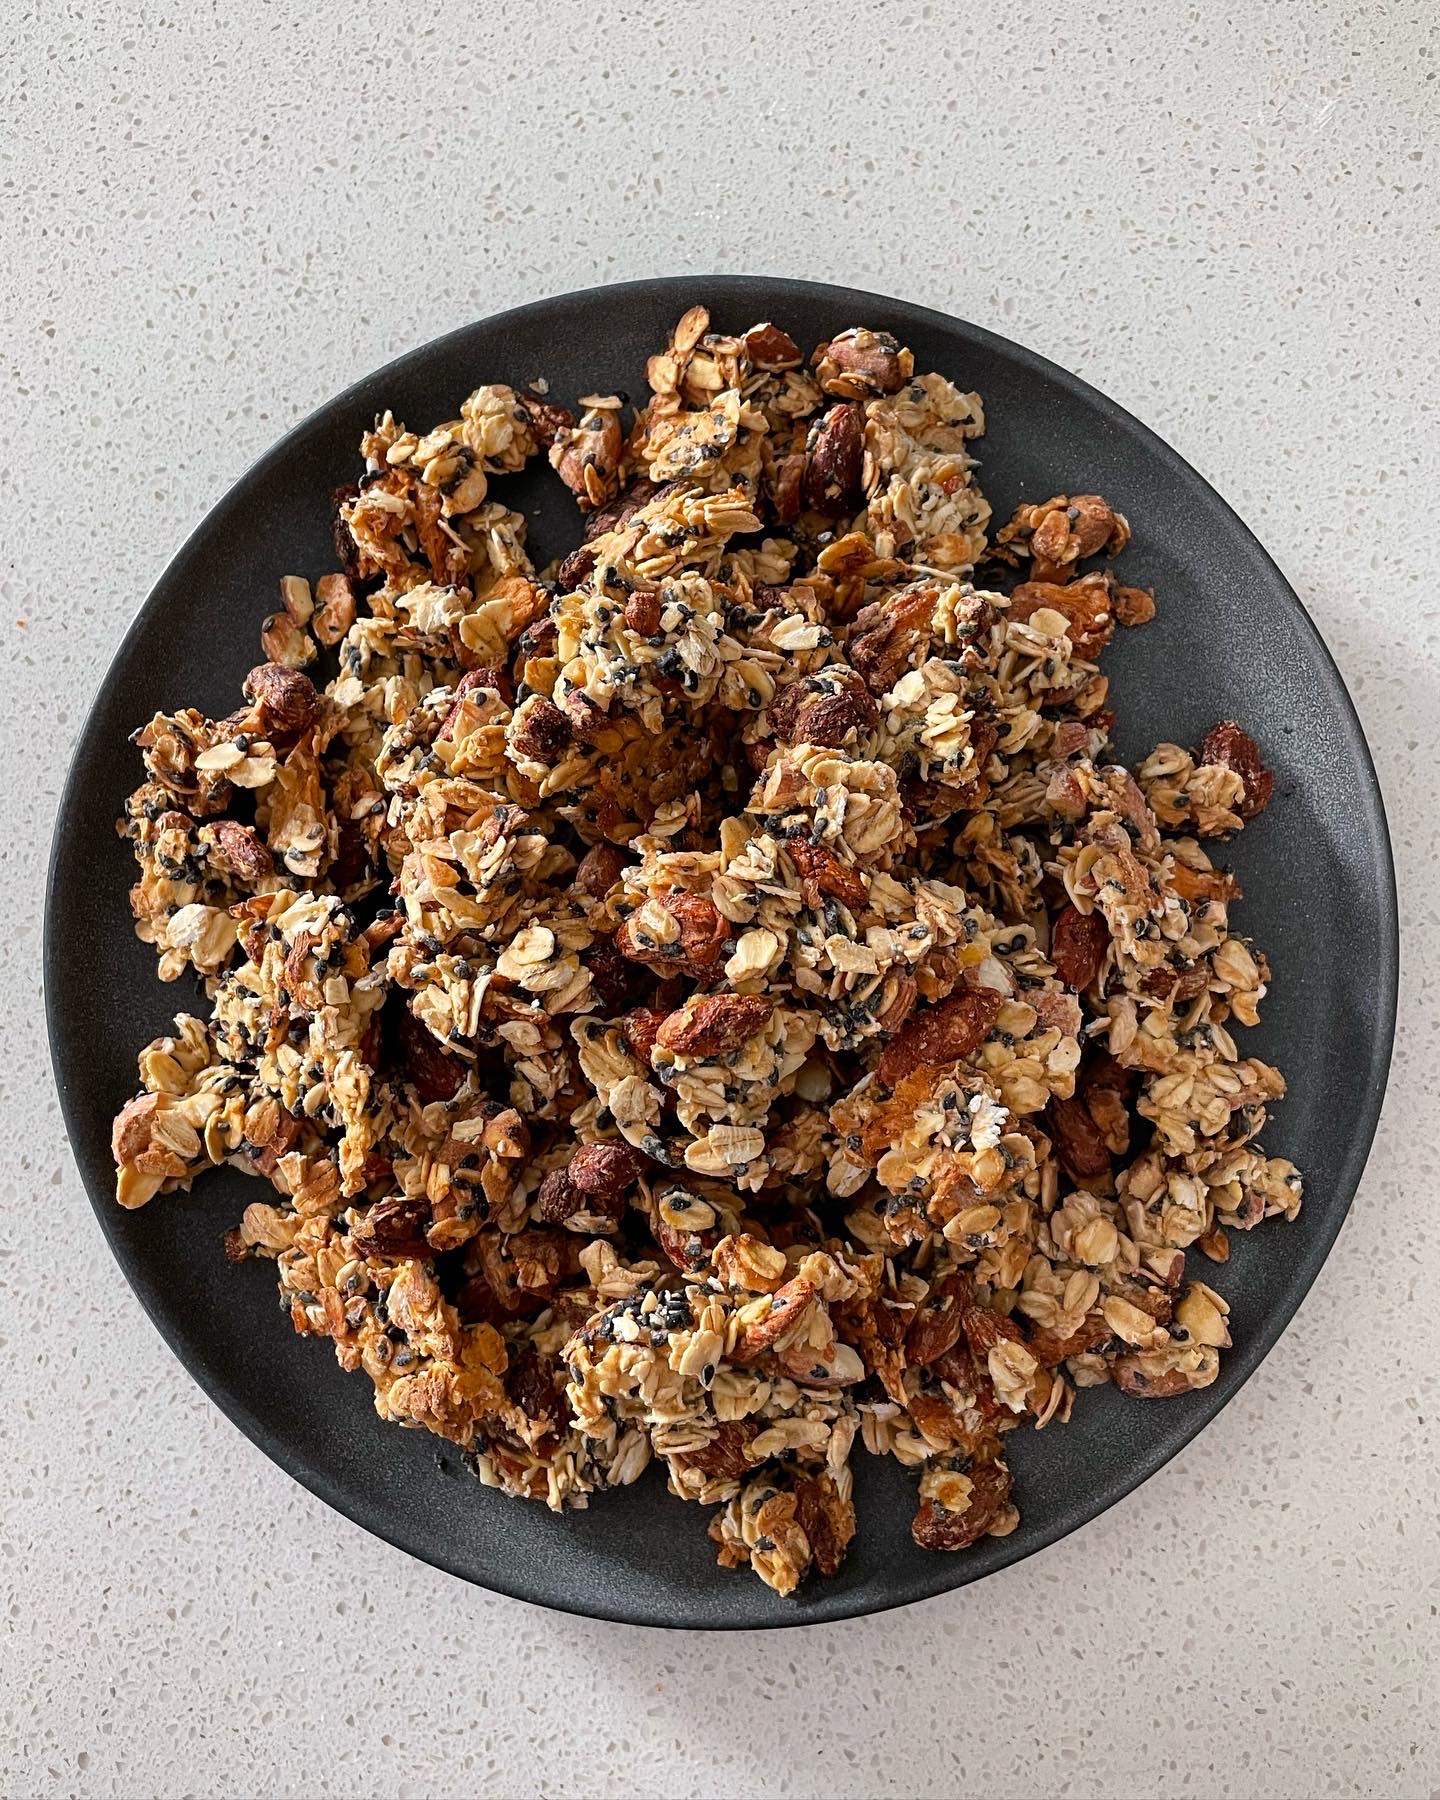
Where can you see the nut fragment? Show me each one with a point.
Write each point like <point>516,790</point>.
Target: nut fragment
<point>768,347</point>
<point>547,418</point>
<point>393,1228</point>
<point>586,456</point>
<point>1134,605</point>
<point>642,612</point>
<point>786,1308</point>
<point>287,643</point>
<point>335,613</point>
<point>471,682</point>
<point>1215,1244</point>
<point>889,635</point>
<point>543,733</point>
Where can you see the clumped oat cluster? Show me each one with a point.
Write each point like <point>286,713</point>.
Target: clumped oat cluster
<point>720,998</point>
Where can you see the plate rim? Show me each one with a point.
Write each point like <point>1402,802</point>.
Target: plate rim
<point>1243,1360</point>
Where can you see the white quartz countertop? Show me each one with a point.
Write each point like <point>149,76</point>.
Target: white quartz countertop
<point>214,216</point>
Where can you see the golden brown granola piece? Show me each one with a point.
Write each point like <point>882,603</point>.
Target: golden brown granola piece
<point>1087,606</point>
<point>693,948</point>
<point>586,456</point>
<point>1134,605</point>
<point>889,636</point>
<point>1161,1374</point>
<point>1062,531</point>
<point>547,418</point>
<point>1232,748</point>
<point>787,1306</point>
<point>859,364</point>
<point>974,1502</point>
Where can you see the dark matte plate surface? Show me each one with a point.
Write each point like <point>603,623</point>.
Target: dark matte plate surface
<point>1231,640</point>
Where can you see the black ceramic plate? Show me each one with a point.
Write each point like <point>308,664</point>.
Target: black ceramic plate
<point>1231,640</point>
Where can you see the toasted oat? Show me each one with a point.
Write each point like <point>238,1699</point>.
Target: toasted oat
<point>727,1002</point>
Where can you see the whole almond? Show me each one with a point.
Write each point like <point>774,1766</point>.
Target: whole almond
<point>238,849</point>
<point>286,698</point>
<point>1227,744</point>
<point>714,1024</point>
<point>1078,942</point>
<point>940,1034</point>
<point>835,454</point>
<point>605,1171</point>
<point>1078,1142</point>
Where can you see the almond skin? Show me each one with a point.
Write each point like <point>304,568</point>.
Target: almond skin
<point>940,1034</point>
<point>715,1024</point>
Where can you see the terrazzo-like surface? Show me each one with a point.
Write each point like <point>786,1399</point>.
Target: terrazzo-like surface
<point>213,218</point>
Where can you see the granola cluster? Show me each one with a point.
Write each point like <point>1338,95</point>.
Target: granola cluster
<point>718,999</point>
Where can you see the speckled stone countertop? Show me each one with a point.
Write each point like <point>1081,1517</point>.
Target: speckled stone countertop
<point>212,218</point>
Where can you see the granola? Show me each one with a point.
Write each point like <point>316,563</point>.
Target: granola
<point>717,1000</point>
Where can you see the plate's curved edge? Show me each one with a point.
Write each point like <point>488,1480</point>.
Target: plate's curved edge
<point>1244,1359</point>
